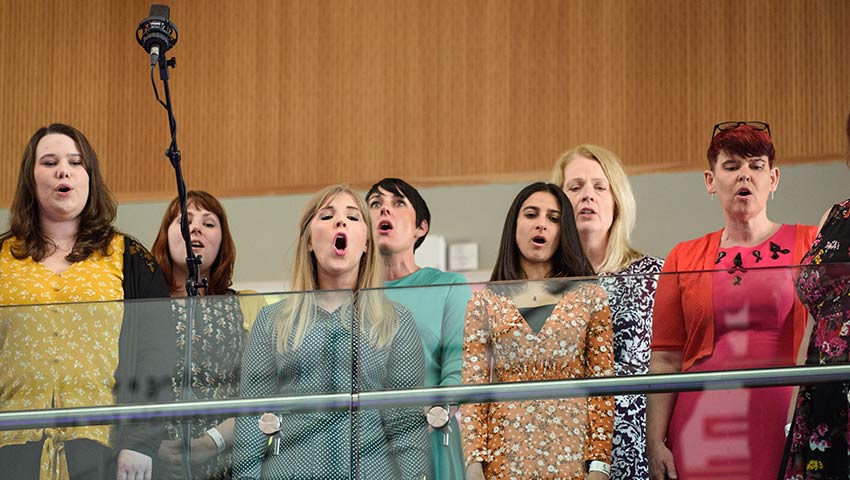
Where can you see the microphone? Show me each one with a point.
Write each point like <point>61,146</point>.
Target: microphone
<point>156,34</point>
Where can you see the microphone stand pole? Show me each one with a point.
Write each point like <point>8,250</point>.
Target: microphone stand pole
<point>193,265</point>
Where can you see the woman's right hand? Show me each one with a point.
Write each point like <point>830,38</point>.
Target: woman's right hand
<point>662,466</point>
<point>475,471</point>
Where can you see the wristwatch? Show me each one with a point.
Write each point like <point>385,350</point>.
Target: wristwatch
<point>598,466</point>
<point>438,416</point>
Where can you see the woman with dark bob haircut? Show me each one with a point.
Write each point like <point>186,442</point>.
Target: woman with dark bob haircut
<point>539,330</point>
<point>61,248</point>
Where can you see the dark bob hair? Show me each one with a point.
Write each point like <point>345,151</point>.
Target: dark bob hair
<point>399,187</point>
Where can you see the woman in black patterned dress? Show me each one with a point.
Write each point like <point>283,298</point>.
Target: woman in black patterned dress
<point>817,444</point>
<point>598,188</point>
<point>218,337</point>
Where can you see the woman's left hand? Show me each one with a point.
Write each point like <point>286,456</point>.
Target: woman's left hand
<point>203,450</point>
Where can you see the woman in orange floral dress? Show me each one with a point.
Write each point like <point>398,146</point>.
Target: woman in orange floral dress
<point>538,329</point>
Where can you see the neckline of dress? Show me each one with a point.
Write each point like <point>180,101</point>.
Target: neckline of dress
<point>758,246</point>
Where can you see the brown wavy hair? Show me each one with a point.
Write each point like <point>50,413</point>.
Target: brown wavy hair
<point>96,229</point>
<point>221,271</point>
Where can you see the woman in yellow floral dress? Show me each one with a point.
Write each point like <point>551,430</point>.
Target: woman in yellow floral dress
<point>538,330</point>
<point>61,249</point>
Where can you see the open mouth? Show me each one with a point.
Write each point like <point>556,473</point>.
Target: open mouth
<point>340,243</point>
<point>63,188</point>
<point>539,240</point>
<point>197,244</point>
<point>586,211</point>
<point>744,192</point>
<point>385,226</point>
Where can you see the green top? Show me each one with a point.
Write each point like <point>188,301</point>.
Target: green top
<point>439,311</point>
<point>438,305</point>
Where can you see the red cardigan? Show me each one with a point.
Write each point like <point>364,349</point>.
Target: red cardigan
<point>683,317</point>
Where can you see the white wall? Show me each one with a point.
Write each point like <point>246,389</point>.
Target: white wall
<point>671,207</point>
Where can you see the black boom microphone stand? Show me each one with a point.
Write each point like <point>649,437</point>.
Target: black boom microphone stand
<point>156,34</point>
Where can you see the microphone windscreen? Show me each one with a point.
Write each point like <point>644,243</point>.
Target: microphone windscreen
<point>161,11</point>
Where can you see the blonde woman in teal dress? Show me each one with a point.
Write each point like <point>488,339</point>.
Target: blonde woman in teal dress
<point>401,220</point>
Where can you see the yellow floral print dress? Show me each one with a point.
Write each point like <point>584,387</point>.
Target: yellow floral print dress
<point>56,352</point>
<point>550,439</point>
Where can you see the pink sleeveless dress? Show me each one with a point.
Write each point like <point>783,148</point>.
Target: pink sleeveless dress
<point>739,434</point>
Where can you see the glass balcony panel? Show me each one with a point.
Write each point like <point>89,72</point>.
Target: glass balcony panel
<point>406,382</point>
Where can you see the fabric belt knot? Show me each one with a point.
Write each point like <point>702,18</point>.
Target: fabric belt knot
<point>54,464</point>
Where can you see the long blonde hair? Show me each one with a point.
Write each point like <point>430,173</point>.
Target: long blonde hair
<point>373,311</point>
<point>619,252</point>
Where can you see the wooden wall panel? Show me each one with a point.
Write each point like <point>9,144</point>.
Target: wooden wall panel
<point>288,96</point>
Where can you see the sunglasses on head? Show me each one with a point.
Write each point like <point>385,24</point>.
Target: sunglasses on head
<point>727,126</point>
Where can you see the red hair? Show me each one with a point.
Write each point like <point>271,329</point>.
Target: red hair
<point>221,271</point>
<point>743,141</point>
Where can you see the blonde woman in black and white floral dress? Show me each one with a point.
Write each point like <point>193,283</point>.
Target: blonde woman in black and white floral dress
<point>598,188</point>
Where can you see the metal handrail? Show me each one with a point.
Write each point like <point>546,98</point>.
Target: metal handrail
<point>680,382</point>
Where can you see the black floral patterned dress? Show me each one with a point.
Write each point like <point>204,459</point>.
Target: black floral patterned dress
<point>217,342</point>
<point>631,293</point>
<point>817,446</point>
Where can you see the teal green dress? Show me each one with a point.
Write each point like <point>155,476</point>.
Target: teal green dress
<point>439,313</point>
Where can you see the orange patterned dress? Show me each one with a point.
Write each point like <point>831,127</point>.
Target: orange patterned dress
<point>538,438</point>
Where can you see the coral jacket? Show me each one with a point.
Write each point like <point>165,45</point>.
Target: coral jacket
<point>683,317</point>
